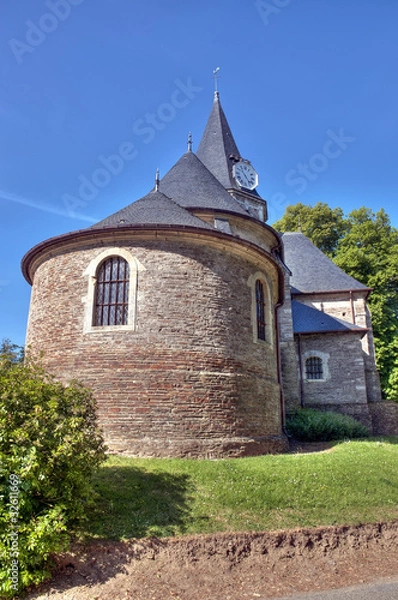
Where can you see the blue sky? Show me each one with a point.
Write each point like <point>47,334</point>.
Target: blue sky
<point>95,95</point>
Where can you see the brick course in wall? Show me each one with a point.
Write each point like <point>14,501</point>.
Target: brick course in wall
<point>189,380</point>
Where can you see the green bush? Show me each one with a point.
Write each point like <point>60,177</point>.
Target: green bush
<point>50,445</point>
<point>309,425</point>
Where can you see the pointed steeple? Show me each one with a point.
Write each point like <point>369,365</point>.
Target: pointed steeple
<point>219,153</point>
<point>217,149</point>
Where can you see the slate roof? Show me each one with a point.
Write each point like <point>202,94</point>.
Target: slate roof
<point>191,185</point>
<point>217,144</point>
<point>312,270</point>
<point>307,319</point>
<point>216,147</point>
<point>153,209</point>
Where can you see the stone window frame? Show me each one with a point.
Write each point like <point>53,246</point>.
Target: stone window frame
<point>324,357</point>
<point>269,316</point>
<point>111,301</point>
<point>261,310</point>
<point>89,300</point>
<point>313,368</point>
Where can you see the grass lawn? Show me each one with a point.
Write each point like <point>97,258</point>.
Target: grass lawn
<point>353,482</point>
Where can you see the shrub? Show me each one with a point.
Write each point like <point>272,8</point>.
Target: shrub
<point>310,425</point>
<point>50,445</point>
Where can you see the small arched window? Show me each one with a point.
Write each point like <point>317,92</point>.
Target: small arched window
<point>314,368</point>
<point>260,309</point>
<point>112,292</point>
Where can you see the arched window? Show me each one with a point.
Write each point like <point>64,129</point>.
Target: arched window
<point>260,310</point>
<point>112,292</point>
<point>314,368</point>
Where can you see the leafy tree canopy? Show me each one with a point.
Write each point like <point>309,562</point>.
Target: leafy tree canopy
<point>322,224</point>
<point>12,353</point>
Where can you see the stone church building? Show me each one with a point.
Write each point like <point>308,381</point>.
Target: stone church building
<point>197,325</point>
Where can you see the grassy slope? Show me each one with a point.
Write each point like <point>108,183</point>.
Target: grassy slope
<point>354,482</point>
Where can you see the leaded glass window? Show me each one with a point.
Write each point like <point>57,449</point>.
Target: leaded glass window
<point>260,310</point>
<point>314,368</point>
<point>112,292</point>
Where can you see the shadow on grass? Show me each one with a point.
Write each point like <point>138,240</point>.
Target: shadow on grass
<point>132,502</point>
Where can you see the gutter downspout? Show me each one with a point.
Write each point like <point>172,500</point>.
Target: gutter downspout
<point>277,253</point>
<point>352,308</point>
<point>301,372</point>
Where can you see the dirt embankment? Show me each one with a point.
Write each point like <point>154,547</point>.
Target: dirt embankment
<point>226,566</point>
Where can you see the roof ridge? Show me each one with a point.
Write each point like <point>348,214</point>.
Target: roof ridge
<point>192,185</point>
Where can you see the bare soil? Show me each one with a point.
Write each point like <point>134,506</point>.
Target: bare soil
<point>226,566</point>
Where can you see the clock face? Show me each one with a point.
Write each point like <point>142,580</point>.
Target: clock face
<point>245,175</point>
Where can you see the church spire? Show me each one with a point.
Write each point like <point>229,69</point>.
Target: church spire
<point>217,149</point>
<point>220,155</point>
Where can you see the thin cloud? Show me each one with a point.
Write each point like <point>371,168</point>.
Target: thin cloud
<point>44,207</point>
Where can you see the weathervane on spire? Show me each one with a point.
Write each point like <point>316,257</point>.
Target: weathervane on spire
<point>157,180</point>
<point>189,142</point>
<point>216,77</point>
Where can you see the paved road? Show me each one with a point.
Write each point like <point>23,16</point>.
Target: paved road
<point>385,589</point>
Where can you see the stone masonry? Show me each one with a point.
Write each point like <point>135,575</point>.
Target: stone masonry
<point>189,381</point>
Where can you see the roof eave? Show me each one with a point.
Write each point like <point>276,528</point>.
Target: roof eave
<point>92,234</point>
<point>361,330</point>
<point>247,217</point>
<point>329,292</point>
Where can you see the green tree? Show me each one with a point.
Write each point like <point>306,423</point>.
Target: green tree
<point>323,225</point>
<point>11,352</point>
<point>50,445</point>
<point>364,245</point>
